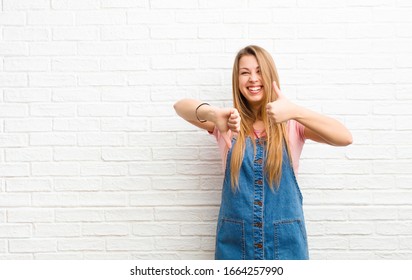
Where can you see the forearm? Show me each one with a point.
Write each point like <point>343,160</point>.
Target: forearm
<point>319,127</point>
<point>186,108</point>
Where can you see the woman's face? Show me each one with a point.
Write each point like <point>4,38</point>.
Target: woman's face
<point>250,80</point>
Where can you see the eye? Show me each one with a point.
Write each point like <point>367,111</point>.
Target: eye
<point>244,73</point>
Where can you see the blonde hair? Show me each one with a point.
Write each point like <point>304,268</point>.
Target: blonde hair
<point>275,132</point>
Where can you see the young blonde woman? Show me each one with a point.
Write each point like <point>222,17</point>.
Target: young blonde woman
<point>261,139</point>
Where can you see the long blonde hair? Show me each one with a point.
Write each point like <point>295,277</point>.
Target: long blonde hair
<point>275,132</point>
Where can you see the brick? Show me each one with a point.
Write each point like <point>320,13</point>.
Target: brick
<point>52,48</point>
<point>52,139</point>
<point>129,64</point>
<point>11,140</point>
<point>102,79</point>
<point>75,34</point>
<point>55,169</point>
<point>74,64</point>
<point>53,18</point>
<point>77,184</point>
<point>28,125</point>
<point>52,110</point>
<point>124,3</point>
<point>200,16</point>
<point>14,169</point>
<point>125,94</point>
<point>13,80</point>
<point>150,229</point>
<point>81,244</point>
<point>28,185</point>
<point>15,231</point>
<point>129,214</point>
<point>75,4</point>
<point>26,5</point>
<point>30,95</point>
<point>206,229</point>
<point>130,244</point>
<point>152,139</point>
<point>128,32</point>
<point>216,4</point>
<point>126,184</point>
<point>55,199</point>
<point>26,64</point>
<point>175,183</point>
<point>52,80</point>
<point>75,94</point>
<point>177,243</point>
<point>32,245</point>
<point>28,154</point>
<point>25,34</point>
<point>56,230</point>
<point>126,154</point>
<point>17,110</point>
<point>103,169</point>
<point>101,48</point>
<point>13,18</point>
<point>100,17</point>
<point>102,110</point>
<point>76,154</point>
<point>220,31</point>
<point>14,48</point>
<point>105,229</point>
<point>103,199</point>
<point>150,47</point>
<point>171,198</point>
<point>30,216</point>
<point>365,243</point>
<point>152,168</point>
<point>151,110</point>
<point>79,215</point>
<point>127,124</point>
<point>83,124</point>
<point>173,32</point>
<point>96,139</point>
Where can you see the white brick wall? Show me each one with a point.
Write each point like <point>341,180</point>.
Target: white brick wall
<point>95,164</point>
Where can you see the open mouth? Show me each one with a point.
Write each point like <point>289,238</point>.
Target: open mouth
<point>255,89</point>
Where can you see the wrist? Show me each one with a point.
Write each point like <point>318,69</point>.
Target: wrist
<point>204,112</point>
<point>298,112</point>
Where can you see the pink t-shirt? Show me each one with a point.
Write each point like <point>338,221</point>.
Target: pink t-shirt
<point>296,140</point>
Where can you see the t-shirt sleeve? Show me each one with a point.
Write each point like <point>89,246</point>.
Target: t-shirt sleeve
<point>296,134</point>
<point>223,149</point>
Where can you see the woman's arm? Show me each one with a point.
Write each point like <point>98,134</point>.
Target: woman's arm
<point>208,117</point>
<point>318,127</point>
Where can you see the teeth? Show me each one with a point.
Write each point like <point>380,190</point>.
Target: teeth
<point>254,89</point>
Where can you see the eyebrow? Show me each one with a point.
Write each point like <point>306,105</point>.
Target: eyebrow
<point>258,67</point>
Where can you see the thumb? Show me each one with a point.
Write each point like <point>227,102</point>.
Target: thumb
<point>227,139</point>
<point>277,90</point>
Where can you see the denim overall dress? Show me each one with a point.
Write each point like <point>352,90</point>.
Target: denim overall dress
<point>256,222</point>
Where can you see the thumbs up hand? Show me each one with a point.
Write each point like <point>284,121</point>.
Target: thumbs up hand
<point>280,110</point>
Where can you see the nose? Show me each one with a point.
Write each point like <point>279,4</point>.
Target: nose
<point>253,77</point>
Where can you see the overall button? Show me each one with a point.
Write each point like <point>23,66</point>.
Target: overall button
<point>259,161</point>
<point>259,245</point>
<point>259,225</point>
<point>258,182</point>
<point>259,203</point>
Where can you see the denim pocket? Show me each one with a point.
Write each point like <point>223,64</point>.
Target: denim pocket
<point>290,240</point>
<point>230,240</point>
